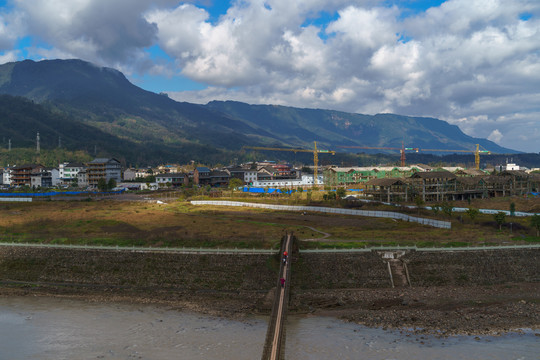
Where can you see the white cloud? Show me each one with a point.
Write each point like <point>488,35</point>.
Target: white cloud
<point>495,136</point>
<point>472,63</point>
<point>9,56</point>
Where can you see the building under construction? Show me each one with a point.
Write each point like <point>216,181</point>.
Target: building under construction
<point>434,186</point>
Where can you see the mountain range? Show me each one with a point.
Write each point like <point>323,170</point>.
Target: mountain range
<point>98,110</point>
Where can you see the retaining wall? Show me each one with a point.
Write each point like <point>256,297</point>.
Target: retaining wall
<point>139,269</point>
<point>231,272</point>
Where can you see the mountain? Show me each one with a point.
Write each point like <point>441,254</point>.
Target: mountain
<point>93,107</point>
<point>334,128</point>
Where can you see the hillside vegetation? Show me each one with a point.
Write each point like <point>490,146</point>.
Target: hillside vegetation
<point>98,111</point>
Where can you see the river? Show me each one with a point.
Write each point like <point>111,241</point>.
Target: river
<point>51,328</point>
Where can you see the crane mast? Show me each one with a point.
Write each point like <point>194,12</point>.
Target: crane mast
<point>315,152</point>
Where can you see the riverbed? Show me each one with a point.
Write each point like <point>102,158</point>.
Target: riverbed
<point>55,328</point>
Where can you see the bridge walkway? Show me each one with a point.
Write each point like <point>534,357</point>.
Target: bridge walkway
<point>274,346</point>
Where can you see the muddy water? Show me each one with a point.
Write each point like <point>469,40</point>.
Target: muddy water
<point>48,328</point>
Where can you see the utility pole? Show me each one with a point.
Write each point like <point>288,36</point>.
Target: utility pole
<point>59,142</point>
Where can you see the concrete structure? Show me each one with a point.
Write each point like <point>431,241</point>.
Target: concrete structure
<point>41,180</point>
<point>68,172</point>
<point>6,176</point>
<point>22,175</point>
<point>82,179</point>
<point>102,168</point>
<point>174,179</point>
<point>248,176</point>
<point>305,181</point>
<point>201,176</point>
<point>129,174</point>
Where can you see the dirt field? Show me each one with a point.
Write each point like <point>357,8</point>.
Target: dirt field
<point>176,223</point>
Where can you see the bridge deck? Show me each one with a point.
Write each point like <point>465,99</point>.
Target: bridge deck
<point>274,347</point>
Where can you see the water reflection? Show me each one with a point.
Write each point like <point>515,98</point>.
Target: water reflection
<point>48,328</point>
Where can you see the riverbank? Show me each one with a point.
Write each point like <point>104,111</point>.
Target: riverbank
<point>443,311</point>
<point>452,292</point>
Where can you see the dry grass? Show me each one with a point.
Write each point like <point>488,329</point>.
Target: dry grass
<point>178,224</point>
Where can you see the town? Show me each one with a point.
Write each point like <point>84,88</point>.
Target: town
<point>381,183</point>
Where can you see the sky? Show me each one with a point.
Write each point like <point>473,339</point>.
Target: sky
<point>473,63</point>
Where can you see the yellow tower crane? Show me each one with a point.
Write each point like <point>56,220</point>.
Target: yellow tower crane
<point>315,152</point>
<point>476,152</point>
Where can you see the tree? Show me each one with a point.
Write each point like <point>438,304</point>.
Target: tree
<point>102,184</point>
<point>235,183</point>
<point>472,213</point>
<point>340,192</point>
<point>535,223</point>
<point>436,209</point>
<point>512,209</point>
<point>419,201</point>
<point>111,184</point>
<point>500,217</point>
<point>447,208</point>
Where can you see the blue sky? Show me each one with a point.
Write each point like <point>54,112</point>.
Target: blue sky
<point>217,8</point>
<point>475,64</point>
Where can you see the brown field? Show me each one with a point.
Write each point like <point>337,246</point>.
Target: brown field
<point>176,223</point>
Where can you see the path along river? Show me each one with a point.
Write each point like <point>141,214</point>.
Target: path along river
<point>51,328</point>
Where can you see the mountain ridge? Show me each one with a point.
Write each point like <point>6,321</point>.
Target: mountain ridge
<point>105,100</point>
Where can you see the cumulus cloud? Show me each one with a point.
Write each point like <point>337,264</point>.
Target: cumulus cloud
<point>495,136</point>
<point>473,63</point>
<point>105,32</point>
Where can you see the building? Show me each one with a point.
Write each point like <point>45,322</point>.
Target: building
<point>129,174</point>
<point>55,176</point>
<point>6,176</point>
<point>219,178</point>
<point>174,179</point>
<point>82,179</point>
<point>41,180</point>
<point>102,168</point>
<point>434,185</point>
<point>201,176</point>
<point>388,189</point>
<point>142,173</point>
<point>68,172</point>
<point>305,181</point>
<point>22,175</point>
<point>248,176</point>
<point>336,176</point>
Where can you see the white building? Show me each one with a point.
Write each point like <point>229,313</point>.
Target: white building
<point>67,172</point>
<point>305,181</point>
<point>6,176</point>
<point>512,167</point>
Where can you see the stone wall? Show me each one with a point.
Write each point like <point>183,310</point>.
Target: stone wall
<point>484,267</point>
<point>139,269</point>
<point>340,270</point>
<point>259,272</point>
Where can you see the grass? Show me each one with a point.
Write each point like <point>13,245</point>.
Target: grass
<point>178,224</point>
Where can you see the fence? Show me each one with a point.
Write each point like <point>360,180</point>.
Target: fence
<point>182,250</point>
<point>18,199</point>
<point>55,193</point>
<point>379,214</point>
<point>425,249</point>
<point>455,209</point>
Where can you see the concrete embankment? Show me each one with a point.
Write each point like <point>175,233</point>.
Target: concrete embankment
<point>425,268</point>
<point>257,272</point>
<point>138,269</point>
<point>477,291</point>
